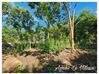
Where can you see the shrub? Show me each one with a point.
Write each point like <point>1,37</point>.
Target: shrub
<point>52,45</point>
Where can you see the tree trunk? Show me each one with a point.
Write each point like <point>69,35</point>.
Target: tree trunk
<point>71,17</point>
<point>71,25</point>
<point>72,36</point>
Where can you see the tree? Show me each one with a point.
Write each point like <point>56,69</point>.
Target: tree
<point>48,12</point>
<point>54,12</point>
<point>6,8</point>
<point>86,30</point>
<point>22,22</point>
<point>70,10</point>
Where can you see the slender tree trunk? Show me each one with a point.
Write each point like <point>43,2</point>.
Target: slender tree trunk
<point>71,14</point>
<point>71,25</point>
<point>72,35</point>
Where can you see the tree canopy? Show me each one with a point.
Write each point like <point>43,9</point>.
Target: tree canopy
<point>63,26</point>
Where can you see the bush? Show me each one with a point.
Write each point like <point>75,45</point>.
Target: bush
<point>86,31</point>
<point>52,45</point>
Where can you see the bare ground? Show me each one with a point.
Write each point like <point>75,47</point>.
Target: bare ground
<point>38,62</point>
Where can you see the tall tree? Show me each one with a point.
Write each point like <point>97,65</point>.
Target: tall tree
<point>86,30</point>
<point>48,12</point>
<point>20,20</point>
<point>70,10</point>
<point>51,11</point>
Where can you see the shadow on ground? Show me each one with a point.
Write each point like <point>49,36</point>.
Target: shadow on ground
<point>63,62</point>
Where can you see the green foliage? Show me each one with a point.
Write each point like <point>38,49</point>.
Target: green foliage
<point>52,45</point>
<point>17,28</point>
<point>86,31</point>
<point>47,11</point>
<point>6,8</point>
<point>22,32</point>
<point>11,36</point>
<point>58,39</point>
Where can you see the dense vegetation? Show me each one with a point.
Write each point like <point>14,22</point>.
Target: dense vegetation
<point>61,29</point>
